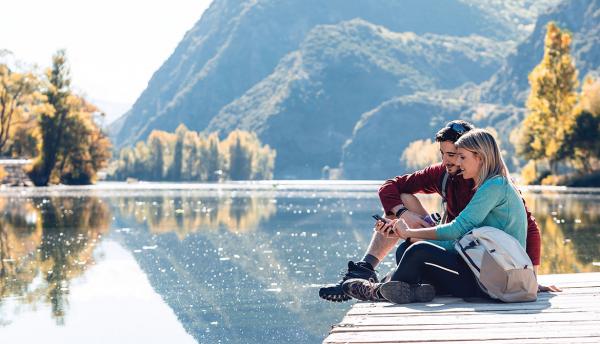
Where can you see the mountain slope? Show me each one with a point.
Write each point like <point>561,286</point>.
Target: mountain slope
<point>339,72</point>
<point>582,17</point>
<point>238,43</point>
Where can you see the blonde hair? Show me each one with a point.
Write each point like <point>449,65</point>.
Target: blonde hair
<point>483,144</point>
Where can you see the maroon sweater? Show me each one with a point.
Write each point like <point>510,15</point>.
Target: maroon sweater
<point>459,192</point>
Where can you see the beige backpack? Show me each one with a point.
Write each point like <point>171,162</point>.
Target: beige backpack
<point>500,264</point>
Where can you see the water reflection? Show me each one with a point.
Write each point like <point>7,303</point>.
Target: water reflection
<point>187,215</point>
<point>233,268</point>
<point>45,243</point>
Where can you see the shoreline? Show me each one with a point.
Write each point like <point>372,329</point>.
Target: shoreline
<point>246,187</point>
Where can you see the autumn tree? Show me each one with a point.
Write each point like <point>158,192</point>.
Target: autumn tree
<point>210,155</point>
<point>175,172</point>
<point>157,144</point>
<point>551,101</point>
<point>73,148</point>
<point>18,98</point>
<point>582,139</point>
<point>191,156</point>
<point>240,156</point>
<point>420,154</point>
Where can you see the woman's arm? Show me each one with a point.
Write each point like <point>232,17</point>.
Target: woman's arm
<point>485,199</point>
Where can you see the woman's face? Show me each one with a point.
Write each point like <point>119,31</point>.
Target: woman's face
<point>469,163</point>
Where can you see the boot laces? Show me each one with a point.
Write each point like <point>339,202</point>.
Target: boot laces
<point>367,289</point>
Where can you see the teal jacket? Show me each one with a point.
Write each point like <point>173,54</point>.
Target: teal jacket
<point>495,203</point>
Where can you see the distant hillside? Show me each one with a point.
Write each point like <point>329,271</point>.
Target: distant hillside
<point>309,105</point>
<point>498,102</point>
<point>238,43</point>
<point>381,135</point>
<point>321,81</point>
<point>582,17</point>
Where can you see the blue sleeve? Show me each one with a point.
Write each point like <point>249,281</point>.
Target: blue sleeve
<point>487,197</point>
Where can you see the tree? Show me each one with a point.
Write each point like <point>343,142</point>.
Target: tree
<point>18,95</point>
<point>583,138</point>
<point>53,119</point>
<point>175,171</point>
<point>157,144</point>
<point>210,156</point>
<point>73,148</point>
<point>240,155</point>
<point>420,154</point>
<point>191,155</point>
<point>551,102</point>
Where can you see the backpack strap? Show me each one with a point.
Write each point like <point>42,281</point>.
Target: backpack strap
<point>444,200</point>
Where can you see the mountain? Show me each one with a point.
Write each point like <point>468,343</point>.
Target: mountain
<point>341,71</point>
<point>497,103</point>
<point>581,17</point>
<point>238,43</point>
<point>381,135</point>
<point>322,81</point>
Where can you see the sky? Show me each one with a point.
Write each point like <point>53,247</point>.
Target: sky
<point>113,46</point>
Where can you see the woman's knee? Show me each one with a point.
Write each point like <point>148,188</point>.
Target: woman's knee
<point>401,249</point>
<point>420,251</point>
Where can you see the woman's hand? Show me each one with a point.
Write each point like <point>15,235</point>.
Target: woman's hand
<point>401,229</point>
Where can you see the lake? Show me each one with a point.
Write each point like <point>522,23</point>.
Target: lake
<point>220,263</point>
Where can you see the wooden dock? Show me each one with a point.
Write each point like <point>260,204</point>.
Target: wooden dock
<point>572,316</point>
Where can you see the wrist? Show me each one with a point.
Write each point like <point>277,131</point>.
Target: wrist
<point>400,211</point>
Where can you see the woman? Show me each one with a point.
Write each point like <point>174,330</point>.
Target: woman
<point>432,259</point>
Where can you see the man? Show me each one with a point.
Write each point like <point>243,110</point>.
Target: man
<point>394,193</point>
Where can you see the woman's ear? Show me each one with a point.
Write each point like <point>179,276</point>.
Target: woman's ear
<point>479,159</point>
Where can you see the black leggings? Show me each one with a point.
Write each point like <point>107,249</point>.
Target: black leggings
<point>425,262</point>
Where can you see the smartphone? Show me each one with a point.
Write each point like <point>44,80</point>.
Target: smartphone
<point>379,218</point>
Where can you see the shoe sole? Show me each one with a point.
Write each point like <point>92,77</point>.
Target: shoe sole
<point>334,294</point>
<point>402,292</point>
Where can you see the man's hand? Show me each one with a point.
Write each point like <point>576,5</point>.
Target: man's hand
<point>544,289</point>
<point>414,220</point>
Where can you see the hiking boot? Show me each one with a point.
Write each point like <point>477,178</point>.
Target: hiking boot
<point>355,270</point>
<point>402,292</point>
<point>362,289</point>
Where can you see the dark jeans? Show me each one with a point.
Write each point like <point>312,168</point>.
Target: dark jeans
<point>424,262</point>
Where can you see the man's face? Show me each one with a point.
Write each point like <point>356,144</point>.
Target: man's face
<point>449,156</point>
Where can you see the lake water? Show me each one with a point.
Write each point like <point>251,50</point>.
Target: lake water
<point>228,263</point>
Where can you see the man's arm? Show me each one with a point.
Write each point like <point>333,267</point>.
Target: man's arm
<point>534,241</point>
<point>422,181</point>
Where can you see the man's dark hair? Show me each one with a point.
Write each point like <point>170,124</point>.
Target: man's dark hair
<point>453,131</point>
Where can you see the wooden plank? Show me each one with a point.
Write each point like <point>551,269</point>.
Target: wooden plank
<point>490,333</point>
<point>472,318</point>
<point>568,340</point>
<point>512,326</point>
<point>531,307</point>
<point>572,316</point>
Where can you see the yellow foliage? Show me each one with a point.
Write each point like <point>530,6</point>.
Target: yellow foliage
<point>421,153</point>
<point>551,180</point>
<point>590,96</point>
<point>551,101</point>
<point>529,173</point>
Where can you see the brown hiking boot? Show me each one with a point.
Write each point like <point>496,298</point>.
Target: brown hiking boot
<point>402,292</point>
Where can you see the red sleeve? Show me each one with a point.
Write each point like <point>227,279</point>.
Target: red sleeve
<point>534,240</point>
<point>422,181</point>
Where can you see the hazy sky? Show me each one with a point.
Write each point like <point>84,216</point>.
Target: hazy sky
<point>114,46</point>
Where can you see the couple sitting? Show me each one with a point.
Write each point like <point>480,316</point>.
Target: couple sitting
<point>477,191</point>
